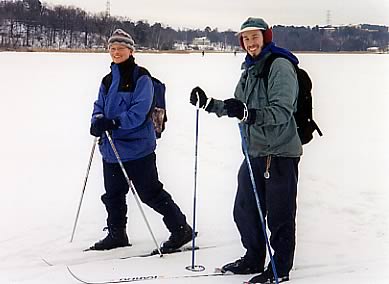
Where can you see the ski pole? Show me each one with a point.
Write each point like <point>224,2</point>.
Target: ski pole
<point>194,267</point>
<point>84,186</point>
<point>245,150</point>
<point>133,191</point>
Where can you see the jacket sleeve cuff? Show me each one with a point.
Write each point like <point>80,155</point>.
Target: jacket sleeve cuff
<point>249,115</point>
<point>208,106</point>
<point>116,123</point>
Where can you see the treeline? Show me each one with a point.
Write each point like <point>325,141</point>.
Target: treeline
<point>343,38</point>
<point>29,23</point>
<point>33,24</point>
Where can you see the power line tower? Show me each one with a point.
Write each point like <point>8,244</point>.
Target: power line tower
<point>328,21</point>
<point>108,9</point>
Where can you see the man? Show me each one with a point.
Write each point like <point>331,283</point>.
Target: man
<point>123,108</point>
<point>274,148</point>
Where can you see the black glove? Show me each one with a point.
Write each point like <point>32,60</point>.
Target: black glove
<point>103,124</point>
<point>196,95</point>
<point>235,108</point>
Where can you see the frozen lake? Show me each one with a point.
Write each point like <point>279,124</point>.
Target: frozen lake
<point>46,103</point>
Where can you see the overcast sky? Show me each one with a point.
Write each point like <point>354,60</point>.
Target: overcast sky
<point>229,14</point>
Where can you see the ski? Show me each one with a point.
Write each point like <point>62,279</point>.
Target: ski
<point>155,252</point>
<point>146,277</point>
<point>140,255</point>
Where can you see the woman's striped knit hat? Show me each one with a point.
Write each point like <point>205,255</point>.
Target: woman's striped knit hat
<point>121,37</point>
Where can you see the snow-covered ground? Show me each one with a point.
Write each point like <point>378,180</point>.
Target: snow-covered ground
<point>46,101</point>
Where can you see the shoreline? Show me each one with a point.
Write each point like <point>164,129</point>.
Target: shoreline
<point>68,50</point>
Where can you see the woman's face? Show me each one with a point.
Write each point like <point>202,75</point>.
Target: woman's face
<point>253,42</point>
<point>119,53</point>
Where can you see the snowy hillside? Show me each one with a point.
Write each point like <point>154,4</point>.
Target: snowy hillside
<point>46,101</point>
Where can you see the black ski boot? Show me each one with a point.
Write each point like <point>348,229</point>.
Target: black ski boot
<point>117,237</point>
<point>177,239</point>
<point>241,266</point>
<point>268,277</point>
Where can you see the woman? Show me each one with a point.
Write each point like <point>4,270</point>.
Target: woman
<point>122,108</point>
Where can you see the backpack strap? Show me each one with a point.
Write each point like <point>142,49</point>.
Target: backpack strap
<point>135,76</point>
<point>304,82</point>
<point>266,68</point>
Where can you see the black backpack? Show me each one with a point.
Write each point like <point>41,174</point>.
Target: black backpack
<point>303,116</point>
<point>157,111</point>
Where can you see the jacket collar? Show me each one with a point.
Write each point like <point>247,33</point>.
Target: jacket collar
<point>125,65</point>
<point>269,48</point>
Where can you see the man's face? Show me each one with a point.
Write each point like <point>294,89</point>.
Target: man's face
<point>253,42</point>
<point>119,53</point>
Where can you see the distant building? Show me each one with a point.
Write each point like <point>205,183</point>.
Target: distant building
<point>374,49</point>
<point>180,46</point>
<point>201,41</point>
<point>328,28</point>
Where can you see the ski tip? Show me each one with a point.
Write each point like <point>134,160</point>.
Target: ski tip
<point>71,272</point>
<point>75,276</point>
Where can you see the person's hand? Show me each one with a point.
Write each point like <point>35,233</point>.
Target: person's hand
<point>198,96</point>
<point>235,108</point>
<point>102,124</point>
